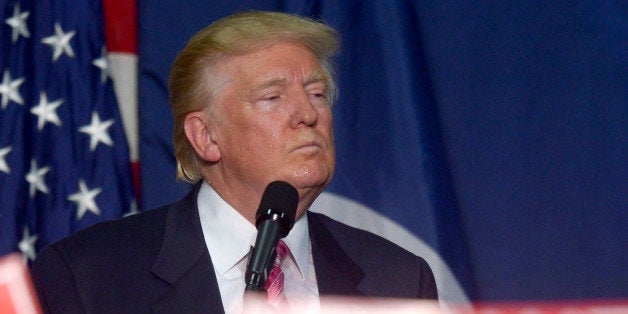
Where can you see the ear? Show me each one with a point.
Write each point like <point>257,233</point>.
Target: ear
<point>200,137</point>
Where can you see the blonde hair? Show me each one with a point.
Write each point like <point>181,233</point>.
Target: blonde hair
<point>193,86</point>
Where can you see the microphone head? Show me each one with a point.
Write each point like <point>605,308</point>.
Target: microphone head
<point>279,203</point>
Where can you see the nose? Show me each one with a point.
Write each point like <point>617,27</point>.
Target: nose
<point>304,111</point>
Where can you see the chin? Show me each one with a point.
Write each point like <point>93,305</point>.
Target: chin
<point>309,175</point>
<point>310,179</point>
<point>305,183</point>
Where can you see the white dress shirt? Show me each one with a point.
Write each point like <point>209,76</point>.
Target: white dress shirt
<point>229,237</point>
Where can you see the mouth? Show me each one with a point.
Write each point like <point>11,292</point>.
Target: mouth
<point>308,145</point>
<point>309,142</point>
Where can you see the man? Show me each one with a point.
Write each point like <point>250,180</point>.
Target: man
<point>251,96</point>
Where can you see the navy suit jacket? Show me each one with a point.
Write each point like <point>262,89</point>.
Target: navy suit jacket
<point>157,261</point>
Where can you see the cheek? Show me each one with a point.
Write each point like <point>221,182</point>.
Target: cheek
<point>326,127</point>
<point>263,142</point>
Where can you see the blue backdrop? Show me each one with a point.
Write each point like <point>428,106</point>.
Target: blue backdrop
<point>495,132</point>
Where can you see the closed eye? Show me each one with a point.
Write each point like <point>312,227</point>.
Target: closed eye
<point>319,95</point>
<point>270,98</point>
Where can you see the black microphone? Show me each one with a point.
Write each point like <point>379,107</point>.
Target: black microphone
<point>274,219</point>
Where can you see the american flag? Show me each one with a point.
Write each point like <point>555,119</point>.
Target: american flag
<point>64,158</point>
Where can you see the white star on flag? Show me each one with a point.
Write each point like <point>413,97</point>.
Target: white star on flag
<point>60,42</point>
<point>4,167</point>
<point>27,245</point>
<point>46,111</point>
<point>84,199</point>
<point>9,89</point>
<point>36,178</point>
<point>103,64</point>
<point>98,131</point>
<point>18,23</point>
<point>57,97</point>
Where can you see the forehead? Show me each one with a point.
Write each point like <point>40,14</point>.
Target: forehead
<point>288,61</point>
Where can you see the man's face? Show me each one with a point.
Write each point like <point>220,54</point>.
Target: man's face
<point>273,121</point>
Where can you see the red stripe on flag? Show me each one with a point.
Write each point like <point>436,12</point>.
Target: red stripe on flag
<point>121,25</point>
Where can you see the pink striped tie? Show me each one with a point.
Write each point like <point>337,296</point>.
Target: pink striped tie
<point>274,283</point>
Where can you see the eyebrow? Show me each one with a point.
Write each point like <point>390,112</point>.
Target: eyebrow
<point>317,76</point>
<point>270,82</point>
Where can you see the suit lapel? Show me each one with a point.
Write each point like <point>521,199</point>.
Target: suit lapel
<point>184,263</point>
<point>336,272</point>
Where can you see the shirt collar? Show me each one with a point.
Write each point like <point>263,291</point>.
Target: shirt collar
<point>298,240</point>
<point>229,236</point>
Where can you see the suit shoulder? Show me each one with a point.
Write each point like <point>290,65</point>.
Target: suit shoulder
<point>375,255</point>
<point>128,233</point>
<point>78,273</point>
<point>358,238</point>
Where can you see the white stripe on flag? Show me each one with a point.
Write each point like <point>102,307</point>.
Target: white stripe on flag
<point>124,75</point>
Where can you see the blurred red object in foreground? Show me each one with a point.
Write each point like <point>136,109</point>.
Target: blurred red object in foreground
<point>17,294</point>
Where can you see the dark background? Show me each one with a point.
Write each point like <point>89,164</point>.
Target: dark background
<point>519,106</point>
